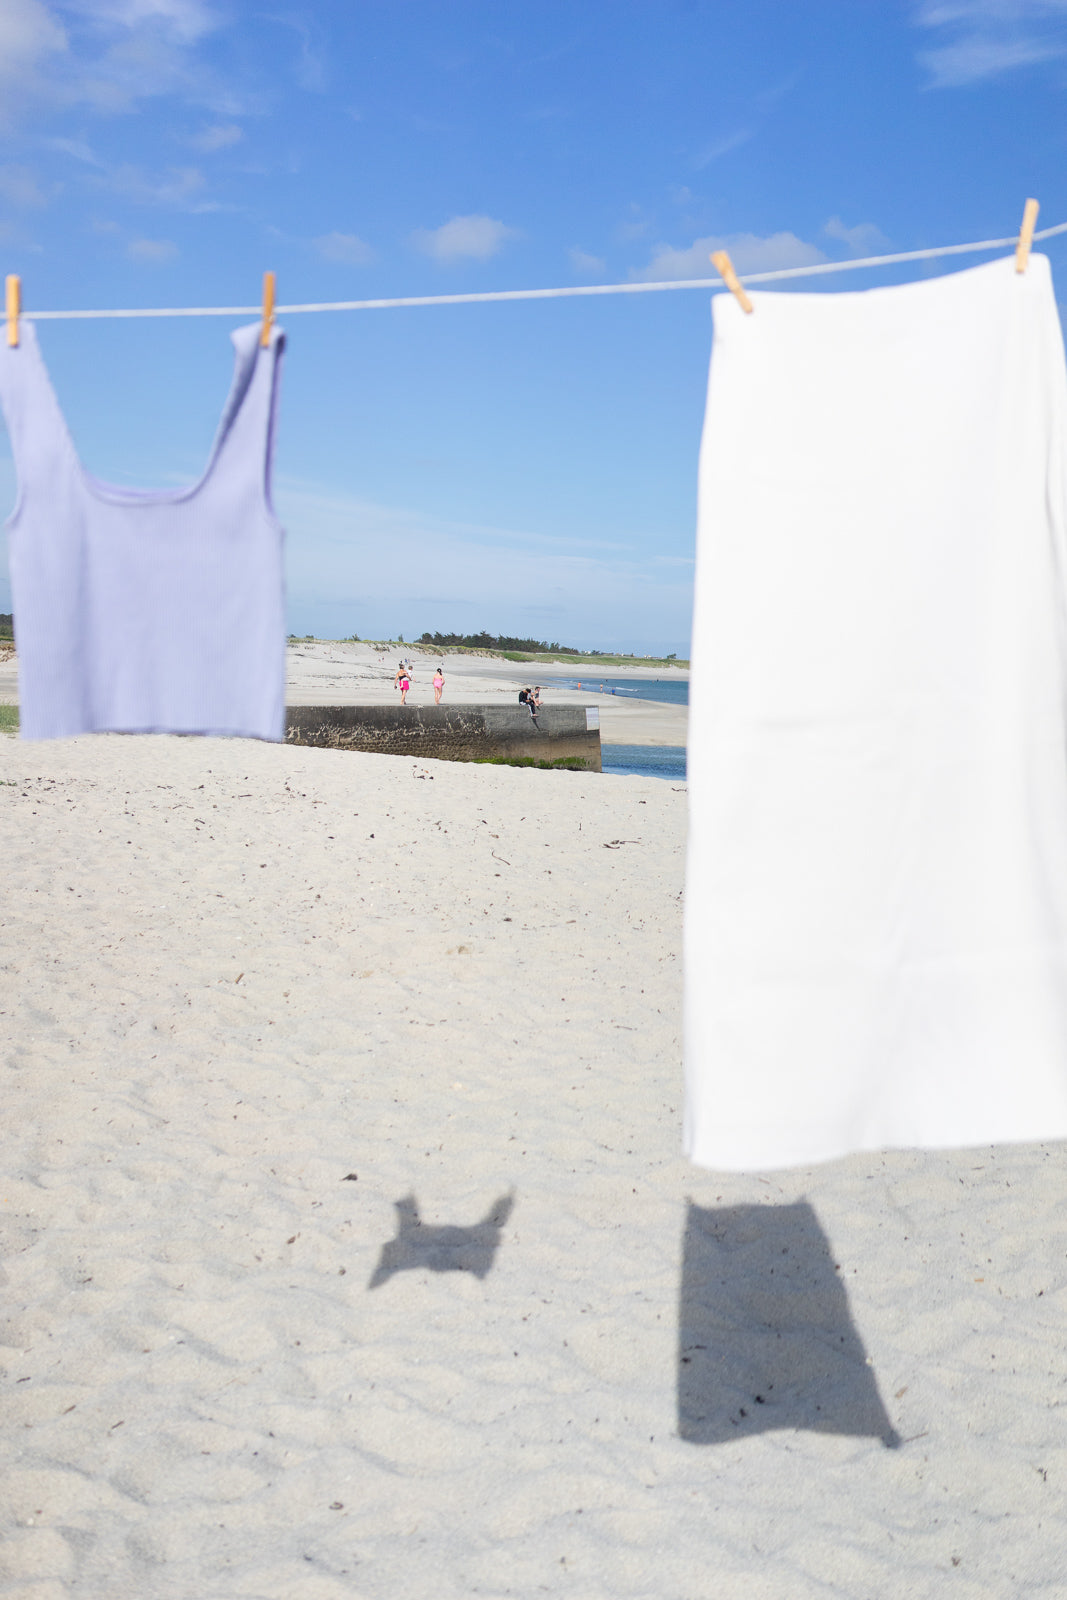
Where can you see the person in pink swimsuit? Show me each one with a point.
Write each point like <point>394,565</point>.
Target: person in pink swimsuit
<point>402,681</point>
<point>438,685</point>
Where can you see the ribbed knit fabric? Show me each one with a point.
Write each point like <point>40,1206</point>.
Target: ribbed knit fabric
<point>147,611</point>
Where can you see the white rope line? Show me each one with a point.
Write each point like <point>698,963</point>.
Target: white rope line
<point>551,294</point>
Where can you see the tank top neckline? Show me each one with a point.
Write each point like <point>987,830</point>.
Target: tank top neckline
<point>116,494</point>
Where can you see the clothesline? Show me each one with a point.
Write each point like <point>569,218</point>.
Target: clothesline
<point>813,271</point>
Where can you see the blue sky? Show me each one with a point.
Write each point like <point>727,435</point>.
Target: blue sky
<point>526,468</point>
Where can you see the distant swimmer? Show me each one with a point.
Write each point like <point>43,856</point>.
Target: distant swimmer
<point>438,685</point>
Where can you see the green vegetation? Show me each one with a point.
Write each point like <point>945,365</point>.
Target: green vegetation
<point>564,763</point>
<point>487,641</point>
<point>594,658</point>
<point>570,658</point>
<point>9,719</point>
<point>528,651</point>
<point>7,625</point>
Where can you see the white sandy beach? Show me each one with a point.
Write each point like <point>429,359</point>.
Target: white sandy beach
<point>254,998</point>
<point>327,673</point>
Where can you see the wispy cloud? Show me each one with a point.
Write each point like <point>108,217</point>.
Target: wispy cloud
<point>586,264</point>
<point>749,252</point>
<point>344,548</point>
<point>182,21</point>
<point>221,136</point>
<point>636,226</point>
<point>865,239</point>
<point>722,147</point>
<point>462,238</point>
<point>179,188</point>
<point>309,65</point>
<point>77,149</point>
<point>19,187</point>
<point>127,51</point>
<point>154,252</point>
<point>986,38</point>
<point>762,105</point>
<point>15,235</point>
<point>346,248</point>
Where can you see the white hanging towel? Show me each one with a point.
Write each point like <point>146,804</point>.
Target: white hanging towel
<point>876,894</point>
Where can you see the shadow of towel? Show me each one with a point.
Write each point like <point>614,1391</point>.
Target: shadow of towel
<point>441,1249</point>
<point>765,1338</point>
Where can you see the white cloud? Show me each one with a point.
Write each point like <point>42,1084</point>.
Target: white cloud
<point>985,38</point>
<point>464,237</point>
<point>30,37</point>
<point>347,248</point>
<point>583,262</point>
<point>218,137</point>
<point>749,252</point>
<point>865,239</point>
<point>152,251</point>
<point>108,55</point>
<point>183,21</point>
<point>19,187</point>
<point>28,34</point>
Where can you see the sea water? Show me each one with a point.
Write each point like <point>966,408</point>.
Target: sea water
<point>639,760</point>
<point>644,760</point>
<point>669,691</point>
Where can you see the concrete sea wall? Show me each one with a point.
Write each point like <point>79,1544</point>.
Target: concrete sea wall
<point>453,732</point>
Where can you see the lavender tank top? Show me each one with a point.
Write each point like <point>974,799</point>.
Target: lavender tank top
<point>147,611</point>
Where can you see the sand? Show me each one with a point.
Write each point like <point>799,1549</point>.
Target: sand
<point>348,1248</point>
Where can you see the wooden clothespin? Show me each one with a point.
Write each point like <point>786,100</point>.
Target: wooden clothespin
<point>14,306</point>
<point>721,260</point>
<point>1026,235</point>
<point>268,308</point>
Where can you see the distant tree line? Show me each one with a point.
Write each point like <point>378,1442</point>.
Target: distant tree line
<point>490,641</point>
<point>7,625</point>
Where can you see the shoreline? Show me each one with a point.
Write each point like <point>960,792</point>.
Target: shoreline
<point>326,673</point>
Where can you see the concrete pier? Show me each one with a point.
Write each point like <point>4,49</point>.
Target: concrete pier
<point>455,732</point>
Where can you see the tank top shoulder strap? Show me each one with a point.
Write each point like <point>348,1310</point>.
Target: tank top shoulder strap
<point>40,441</point>
<point>245,439</point>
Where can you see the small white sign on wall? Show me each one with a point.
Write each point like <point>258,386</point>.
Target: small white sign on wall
<point>592,717</point>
